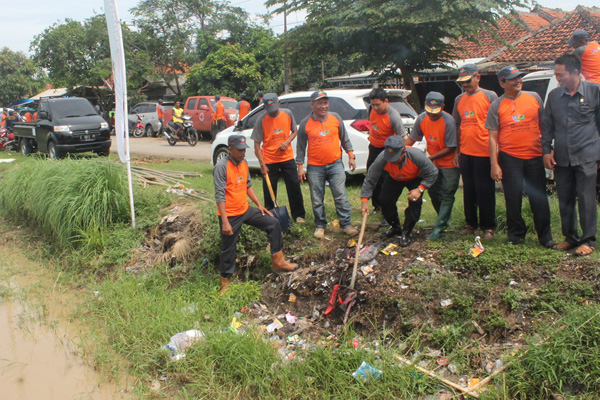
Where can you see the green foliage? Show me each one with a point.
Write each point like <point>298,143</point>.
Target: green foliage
<point>566,363</point>
<point>20,77</point>
<point>447,337</point>
<point>71,201</point>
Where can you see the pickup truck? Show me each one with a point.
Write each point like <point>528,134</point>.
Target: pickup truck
<point>202,108</point>
<point>64,125</point>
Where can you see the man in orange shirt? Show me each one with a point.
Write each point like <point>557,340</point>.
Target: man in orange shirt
<point>384,121</point>
<point>320,135</point>
<point>401,168</point>
<point>439,130</point>
<point>243,107</point>
<point>233,186</point>
<point>218,118</point>
<point>472,154</point>
<point>588,52</point>
<point>160,112</point>
<point>514,125</point>
<point>275,130</point>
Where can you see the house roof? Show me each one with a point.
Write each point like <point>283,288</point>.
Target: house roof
<point>549,42</point>
<point>508,31</point>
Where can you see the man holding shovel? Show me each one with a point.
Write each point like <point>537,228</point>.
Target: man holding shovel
<point>275,130</point>
<point>404,167</point>
<point>232,189</point>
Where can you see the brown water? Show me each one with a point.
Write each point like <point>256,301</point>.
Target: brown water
<point>39,355</point>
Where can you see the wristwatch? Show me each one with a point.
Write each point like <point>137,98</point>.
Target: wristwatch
<point>420,190</point>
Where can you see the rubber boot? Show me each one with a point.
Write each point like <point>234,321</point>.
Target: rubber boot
<point>394,230</point>
<point>442,222</point>
<point>225,282</point>
<point>280,264</point>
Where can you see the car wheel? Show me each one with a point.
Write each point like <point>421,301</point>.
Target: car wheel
<point>192,137</point>
<point>138,132</point>
<point>102,153</point>
<point>25,147</point>
<point>220,153</point>
<point>53,152</point>
<point>149,132</point>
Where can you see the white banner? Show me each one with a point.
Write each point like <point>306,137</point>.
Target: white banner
<point>117,53</point>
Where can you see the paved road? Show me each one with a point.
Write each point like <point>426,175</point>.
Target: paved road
<point>158,147</point>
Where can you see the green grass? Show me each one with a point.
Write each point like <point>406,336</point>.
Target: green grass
<point>135,315</point>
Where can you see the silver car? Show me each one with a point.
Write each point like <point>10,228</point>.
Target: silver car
<point>149,118</point>
<point>351,104</point>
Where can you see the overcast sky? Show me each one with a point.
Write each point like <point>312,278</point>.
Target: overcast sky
<point>21,21</point>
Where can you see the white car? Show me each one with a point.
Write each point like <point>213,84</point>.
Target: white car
<point>351,104</point>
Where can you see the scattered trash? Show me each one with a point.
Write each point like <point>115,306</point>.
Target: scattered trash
<point>513,283</point>
<point>446,303</point>
<point>452,368</point>
<point>291,319</point>
<point>356,343</point>
<point>477,249</point>
<point>235,324</point>
<point>443,361</point>
<point>181,341</point>
<point>293,339</point>
<point>365,373</point>
<point>368,253</point>
<point>389,249</point>
<point>420,259</point>
<point>292,298</point>
<point>335,222</point>
<point>274,326</point>
<point>366,269</point>
<point>474,381</point>
<point>479,329</point>
<point>351,243</point>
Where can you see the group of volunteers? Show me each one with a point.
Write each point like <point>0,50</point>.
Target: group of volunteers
<point>487,139</point>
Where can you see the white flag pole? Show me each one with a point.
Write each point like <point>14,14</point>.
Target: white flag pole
<point>117,53</point>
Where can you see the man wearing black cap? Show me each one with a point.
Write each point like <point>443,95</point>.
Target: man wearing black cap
<point>405,167</point>
<point>588,52</point>
<point>275,130</point>
<point>232,188</point>
<point>571,147</point>
<point>439,130</point>
<point>473,152</point>
<point>514,125</point>
<point>320,135</point>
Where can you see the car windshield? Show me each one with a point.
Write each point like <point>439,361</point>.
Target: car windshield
<point>227,103</point>
<point>70,108</point>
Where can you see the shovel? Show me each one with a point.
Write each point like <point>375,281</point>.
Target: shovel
<point>360,238</point>
<point>281,213</point>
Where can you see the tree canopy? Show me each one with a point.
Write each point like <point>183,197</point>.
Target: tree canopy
<point>19,77</point>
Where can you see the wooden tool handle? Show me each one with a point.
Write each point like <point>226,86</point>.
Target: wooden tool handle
<point>271,189</point>
<point>360,238</point>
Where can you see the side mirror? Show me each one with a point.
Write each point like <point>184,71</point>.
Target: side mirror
<point>43,115</point>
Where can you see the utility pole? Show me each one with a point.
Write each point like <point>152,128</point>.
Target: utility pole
<point>286,64</point>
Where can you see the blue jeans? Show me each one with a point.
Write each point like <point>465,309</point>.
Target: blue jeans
<point>335,175</point>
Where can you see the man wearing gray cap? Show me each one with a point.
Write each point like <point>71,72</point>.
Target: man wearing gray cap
<point>514,125</point>
<point>319,138</point>
<point>571,147</point>
<point>275,130</point>
<point>233,186</point>
<point>405,167</point>
<point>588,52</point>
<point>473,152</point>
<point>439,129</point>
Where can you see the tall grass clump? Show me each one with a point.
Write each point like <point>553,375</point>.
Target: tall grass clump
<point>70,201</point>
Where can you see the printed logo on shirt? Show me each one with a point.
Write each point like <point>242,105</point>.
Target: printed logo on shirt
<point>277,131</point>
<point>324,133</point>
<point>595,50</point>
<point>432,138</point>
<point>375,127</point>
<point>240,179</point>
<point>518,117</point>
<point>400,176</point>
<point>469,114</point>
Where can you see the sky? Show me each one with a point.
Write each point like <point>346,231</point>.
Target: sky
<point>21,22</point>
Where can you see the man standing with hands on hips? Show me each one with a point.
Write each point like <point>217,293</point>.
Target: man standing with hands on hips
<point>571,119</point>
<point>514,124</point>
<point>275,130</point>
<point>320,135</point>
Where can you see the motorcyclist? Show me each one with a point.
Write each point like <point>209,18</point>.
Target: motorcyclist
<point>176,119</point>
<point>11,120</point>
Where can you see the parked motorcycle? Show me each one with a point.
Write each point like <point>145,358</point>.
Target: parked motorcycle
<point>187,133</point>
<point>138,130</point>
<point>8,141</point>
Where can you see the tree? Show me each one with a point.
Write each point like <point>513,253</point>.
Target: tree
<point>78,55</point>
<point>20,77</point>
<point>228,71</point>
<point>396,35</point>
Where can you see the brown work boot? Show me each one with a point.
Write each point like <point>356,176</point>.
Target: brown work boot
<point>224,285</point>
<point>488,234</point>
<point>468,230</point>
<point>280,264</point>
